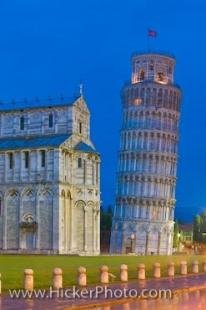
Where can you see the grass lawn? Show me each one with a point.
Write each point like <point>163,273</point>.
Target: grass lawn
<point>12,266</point>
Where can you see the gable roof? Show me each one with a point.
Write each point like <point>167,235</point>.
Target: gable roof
<point>80,102</point>
<point>83,147</point>
<point>37,104</point>
<point>32,142</point>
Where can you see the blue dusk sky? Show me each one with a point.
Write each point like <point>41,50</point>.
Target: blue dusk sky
<point>47,47</point>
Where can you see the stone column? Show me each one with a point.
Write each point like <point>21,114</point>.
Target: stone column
<point>55,220</point>
<point>20,213</point>
<point>169,241</point>
<point>85,228</point>
<point>94,223</point>
<point>5,224</point>
<point>159,243</point>
<point>64,213</point>
<point>147,243</point>
<point>98,231</point>
<point>66,223</point>
<point>71,215</point>
<point>38,222</point>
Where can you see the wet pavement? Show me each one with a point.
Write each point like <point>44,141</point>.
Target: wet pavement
<point>183,301</point>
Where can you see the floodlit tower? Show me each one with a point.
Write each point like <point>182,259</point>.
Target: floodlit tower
<point>146,178</point>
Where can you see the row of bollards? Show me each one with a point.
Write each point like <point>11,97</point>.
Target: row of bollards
<point>57,276</point>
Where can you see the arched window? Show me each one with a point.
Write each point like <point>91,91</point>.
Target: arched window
<point>11,160</point>
<point>79,162</point>
<point>22,123</point>
<point>147,212</point>
<point>140,211</point>
<point>160,76</point>
<point>43,158</point>
<point>51,120</point>
<point>26,159</point>
<point>151,66</point>
<point>97,172</point>
<point>80,127</point>
<point>142,75</point>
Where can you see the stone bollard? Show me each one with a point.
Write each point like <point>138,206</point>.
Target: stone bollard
<point>183,268</point>
<point>82,276</point>
<point>195,266</point>
<point>171,269</point>
<point>28,279</point>
<point>104,274</point>
<point>57,279</point>
<point>141,271</point>
<point>124,273</point>
<point>156,270</point>
<point>204,266</point>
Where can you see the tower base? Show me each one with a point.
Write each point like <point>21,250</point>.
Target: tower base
<point>141,237</point>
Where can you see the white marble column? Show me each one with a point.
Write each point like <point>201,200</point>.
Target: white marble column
<point>5,223</point>
<point>85,228</point>
<point>38,222</point>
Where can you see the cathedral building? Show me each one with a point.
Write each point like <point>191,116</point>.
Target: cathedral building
<point>49,180</point>
<point>146,178</point>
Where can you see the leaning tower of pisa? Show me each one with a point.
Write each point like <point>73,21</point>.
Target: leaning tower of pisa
<point>146,176</point>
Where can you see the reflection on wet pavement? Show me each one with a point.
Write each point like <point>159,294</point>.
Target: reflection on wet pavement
<point>185,301</point>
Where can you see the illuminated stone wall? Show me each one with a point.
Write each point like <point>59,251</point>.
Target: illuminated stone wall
<point>146,178</point>
<point>53,204</point>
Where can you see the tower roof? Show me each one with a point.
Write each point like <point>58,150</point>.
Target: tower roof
<point>153,53</point>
